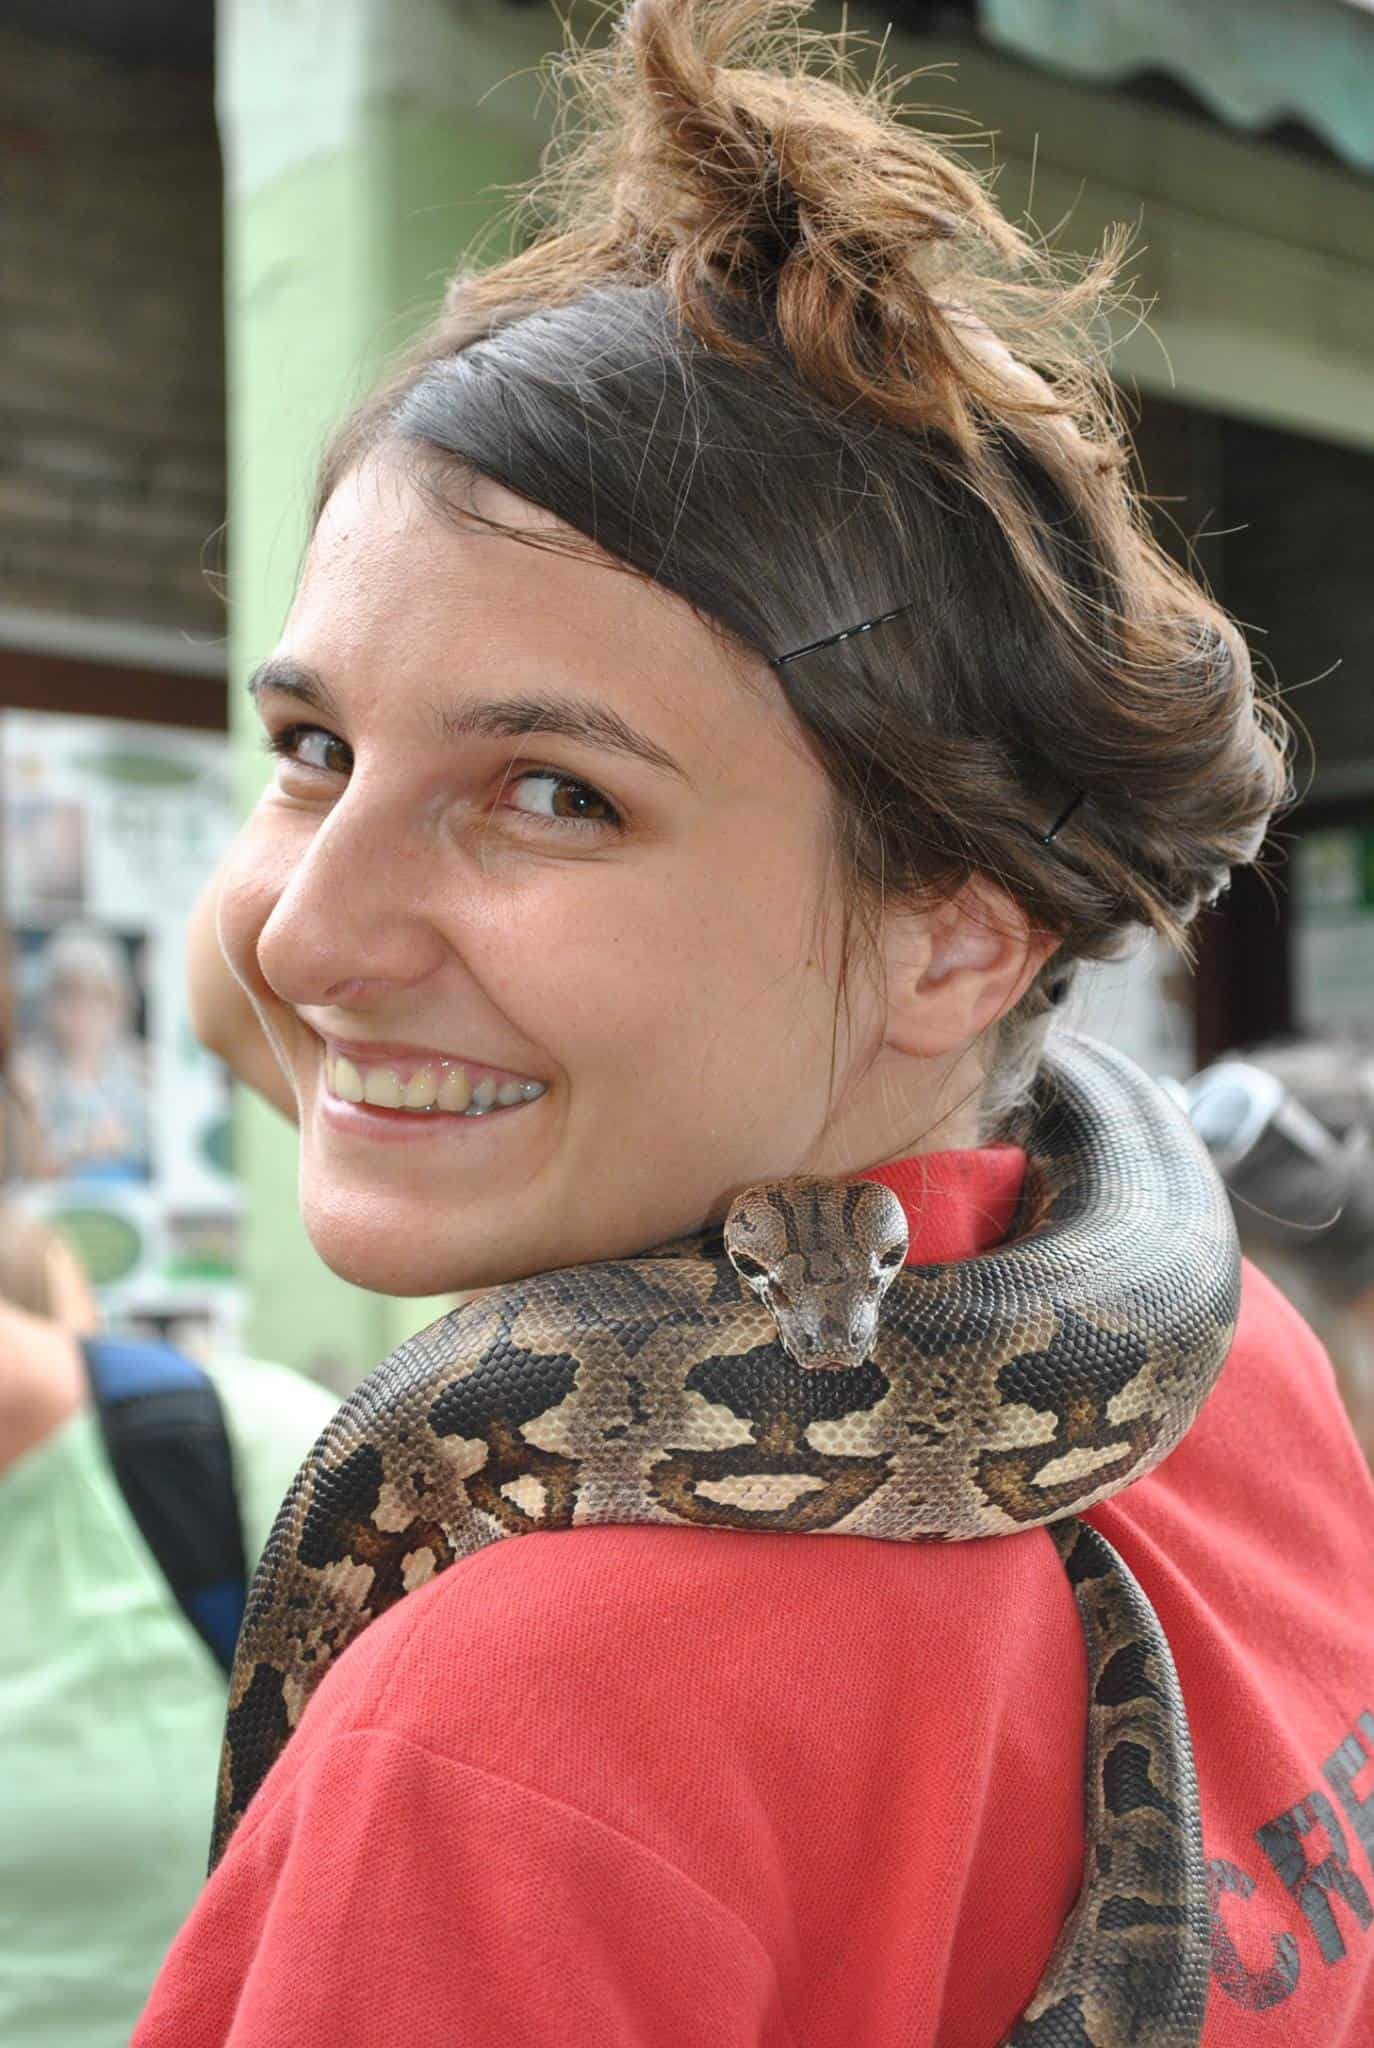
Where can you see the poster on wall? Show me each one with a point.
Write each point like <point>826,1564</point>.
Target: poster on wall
<point>121,1132</point>
<point>1333,904</point>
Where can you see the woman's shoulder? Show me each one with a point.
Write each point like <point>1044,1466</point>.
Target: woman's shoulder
<point>1271,1453</point>
<point>1277,1396</point>
<point>1252,1537</point>
<point>602,1746</point>
<point>763,1715</point>
<point>693,1591</point>
<point>645,1665</point>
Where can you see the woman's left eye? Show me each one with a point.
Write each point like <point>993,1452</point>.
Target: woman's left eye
<point>310,746</point>
<point>559,799</point>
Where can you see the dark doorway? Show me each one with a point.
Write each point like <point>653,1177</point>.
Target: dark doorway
<point>1279,524</point>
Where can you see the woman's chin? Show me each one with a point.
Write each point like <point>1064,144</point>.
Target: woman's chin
<point>400,1254</point>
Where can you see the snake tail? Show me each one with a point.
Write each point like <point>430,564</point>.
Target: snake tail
<point>1133,1960</point>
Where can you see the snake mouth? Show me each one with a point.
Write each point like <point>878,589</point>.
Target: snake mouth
<point>827,1349</point>
<point>834,1342</point>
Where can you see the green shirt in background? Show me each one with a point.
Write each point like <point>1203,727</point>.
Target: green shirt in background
<point>111,1712</point>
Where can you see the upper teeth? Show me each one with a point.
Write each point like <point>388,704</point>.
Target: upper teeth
<point>443,1086</point>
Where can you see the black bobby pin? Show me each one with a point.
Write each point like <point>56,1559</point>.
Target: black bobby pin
<point>867,625</point>
<point>1063,819</point>
<point>834,639</point>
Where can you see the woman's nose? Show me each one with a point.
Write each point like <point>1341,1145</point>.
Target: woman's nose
<point>354,912</point>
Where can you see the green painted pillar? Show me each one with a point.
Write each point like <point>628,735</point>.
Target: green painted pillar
<point>365,146</point>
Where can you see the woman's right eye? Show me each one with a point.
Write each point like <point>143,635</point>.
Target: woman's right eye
<point>310,746</point>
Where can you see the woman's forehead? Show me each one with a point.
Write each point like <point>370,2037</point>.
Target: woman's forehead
<point>402,599</point>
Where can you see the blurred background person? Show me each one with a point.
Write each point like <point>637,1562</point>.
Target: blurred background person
<point>82,1068</point>
<point>111,1701</point>
<point>1291,1129</point>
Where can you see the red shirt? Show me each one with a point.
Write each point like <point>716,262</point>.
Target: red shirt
<point>662,1788</point>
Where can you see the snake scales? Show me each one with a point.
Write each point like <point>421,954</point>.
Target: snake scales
<point>1003,1392</point>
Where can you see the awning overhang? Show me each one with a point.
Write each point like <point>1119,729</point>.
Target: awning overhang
<point>1254,62</point>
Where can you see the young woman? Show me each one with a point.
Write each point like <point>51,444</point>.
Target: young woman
<point>609,869</point>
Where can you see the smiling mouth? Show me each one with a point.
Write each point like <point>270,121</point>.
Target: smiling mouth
<point>426,1087</point>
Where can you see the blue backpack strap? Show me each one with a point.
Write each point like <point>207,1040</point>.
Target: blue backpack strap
<point>165,1436</point>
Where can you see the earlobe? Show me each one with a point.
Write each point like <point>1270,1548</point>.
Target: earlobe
<point>978,957</point>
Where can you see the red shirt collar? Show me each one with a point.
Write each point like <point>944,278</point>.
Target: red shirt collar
<point>957,1203</point>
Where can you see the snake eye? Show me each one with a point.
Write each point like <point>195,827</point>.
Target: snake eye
<point>748,1267</point>
<point>894,1256</point>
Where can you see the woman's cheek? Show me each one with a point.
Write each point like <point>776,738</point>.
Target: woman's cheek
<point>255,872</point>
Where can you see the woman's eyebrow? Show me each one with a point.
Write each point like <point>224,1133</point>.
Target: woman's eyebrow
<point>567,718</point>
<point>282,677</point>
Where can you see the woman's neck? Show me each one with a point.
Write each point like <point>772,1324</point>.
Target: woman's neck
<point>899,1110</point>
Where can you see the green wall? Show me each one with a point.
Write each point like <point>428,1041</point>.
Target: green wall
<point>336,255</point>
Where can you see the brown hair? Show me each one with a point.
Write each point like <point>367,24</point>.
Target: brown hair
<point>780,352</point>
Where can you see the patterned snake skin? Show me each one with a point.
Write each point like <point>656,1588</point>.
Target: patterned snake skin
<point>728,1381</point>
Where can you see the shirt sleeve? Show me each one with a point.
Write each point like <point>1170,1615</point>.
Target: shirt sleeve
<point>391,1895</point>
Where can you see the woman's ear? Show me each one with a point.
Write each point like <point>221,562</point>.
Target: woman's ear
<point>957,968</point>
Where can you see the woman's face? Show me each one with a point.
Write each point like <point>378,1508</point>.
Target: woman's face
<point>534,834</point>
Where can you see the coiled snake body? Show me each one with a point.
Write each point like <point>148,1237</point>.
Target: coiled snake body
<point>750,1379</point>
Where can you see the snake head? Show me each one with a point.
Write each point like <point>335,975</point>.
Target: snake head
<point>820,1255</point>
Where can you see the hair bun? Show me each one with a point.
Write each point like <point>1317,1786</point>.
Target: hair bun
<point>781,185</point>
<point>721,152</point>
